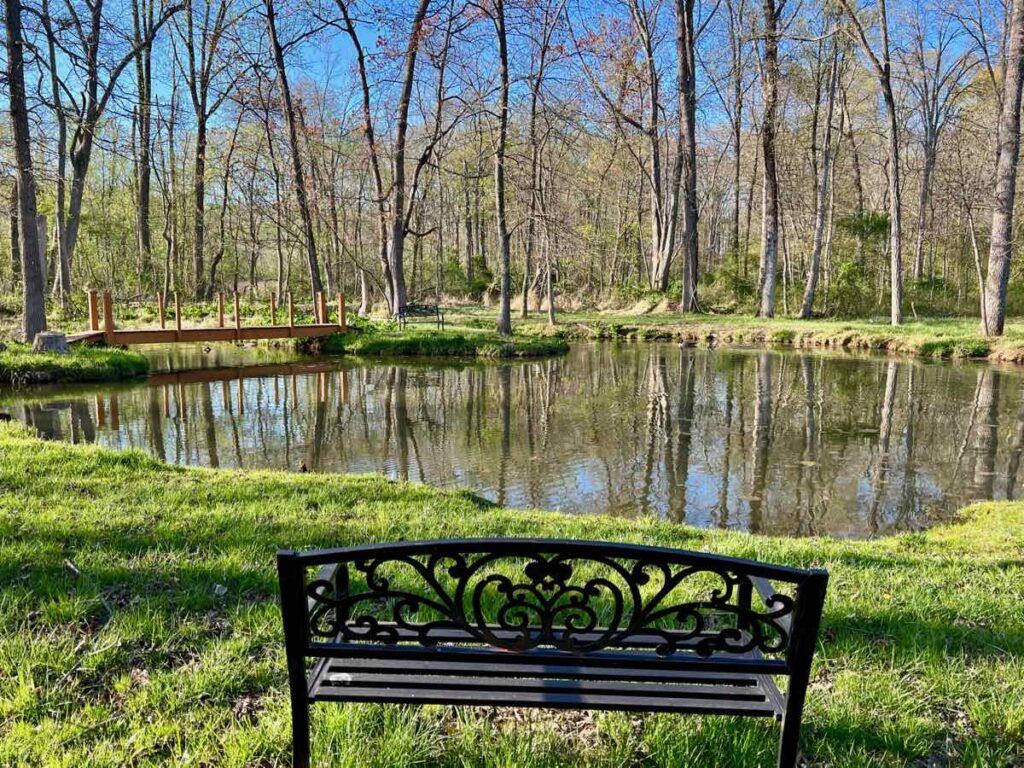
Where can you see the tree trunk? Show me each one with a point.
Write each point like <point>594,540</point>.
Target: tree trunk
<point>199,210</point>
<point>895,209</point>
<point>504,312</point>
<point>33,286</point>
<point>770,204</point>
<point>1001,244</point>
<point>685,45</point>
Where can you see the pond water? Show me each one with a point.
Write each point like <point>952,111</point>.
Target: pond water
<point>784,443</point>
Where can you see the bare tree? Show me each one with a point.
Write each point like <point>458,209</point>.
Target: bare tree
<point>821,207</point>
<point>298,177</point>
<point>772,11</point>
<point>33,282</point>
<point>1001,243</point>
<point>206,65</point>
<point>881,64</point>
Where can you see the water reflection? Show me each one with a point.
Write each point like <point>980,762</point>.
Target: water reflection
<point>792,444</point>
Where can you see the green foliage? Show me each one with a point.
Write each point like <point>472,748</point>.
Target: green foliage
<point>20,365</point>
<point>456,282</point>
<point>850,291</point>
<point>868,226</point>
<point>726,289</point>
<point>139,626</point>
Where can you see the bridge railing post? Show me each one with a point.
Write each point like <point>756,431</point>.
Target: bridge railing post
<point>220,309</point>
<point>177,316</point>
<point>321,308</point>
<point>342,324</point>
<point>108,318</point>
<point>94,311</point>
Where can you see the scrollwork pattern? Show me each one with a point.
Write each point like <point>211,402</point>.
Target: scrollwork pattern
<point>570,602</point>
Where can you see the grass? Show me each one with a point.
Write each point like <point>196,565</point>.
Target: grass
<point>139,626</point>
<point>934,338</point>
<point>20,365</point>
<point>383,340</point>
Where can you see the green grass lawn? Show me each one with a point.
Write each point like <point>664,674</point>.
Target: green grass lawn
<point>382,340</point>
<point>139,626</point>
<point>20,365</point>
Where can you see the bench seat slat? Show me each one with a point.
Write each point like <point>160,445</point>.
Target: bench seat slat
<point>567,672</point>
<point>344,680</point>
<point>504,695</point>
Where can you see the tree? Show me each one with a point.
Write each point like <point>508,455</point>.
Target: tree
<point>33,285</point>
<point>504,247</point>
<point>823,187</point>
<point>769,126</point>
<point>686,45</point>
<point>881,63</point>
<point>1008,151</point>
<point>90,62</point>
<point>205,64</point>
<point>298,178</point>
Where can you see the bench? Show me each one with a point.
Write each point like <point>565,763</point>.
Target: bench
<point>430,312</point>
<point>548,623</point>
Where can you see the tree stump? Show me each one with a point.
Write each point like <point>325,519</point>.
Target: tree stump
<point>51,341</point>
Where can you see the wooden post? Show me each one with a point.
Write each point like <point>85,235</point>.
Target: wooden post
<point>163,310</point>
<point>341,313</point>
<point>291,316</point>
<point>115,413</point>
<point>273,309</point>
<point>321,306</point>
<point>220,308</point>
<point>177,315</point>
<point>108,318</point>
<point>94,311</point>
<point>238,312</point>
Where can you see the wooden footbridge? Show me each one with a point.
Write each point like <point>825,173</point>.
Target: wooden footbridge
<point>111,335</point>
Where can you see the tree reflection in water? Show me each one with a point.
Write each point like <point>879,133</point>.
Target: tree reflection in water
<point>783,443</point>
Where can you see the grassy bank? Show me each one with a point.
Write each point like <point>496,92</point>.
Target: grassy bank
<point>942,338</point>
<point>138,626</point>
<point>20,365</point>
<point>382,340</point>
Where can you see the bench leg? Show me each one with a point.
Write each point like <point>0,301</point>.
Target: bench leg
<point>789,743</point>
<point>300,732</point>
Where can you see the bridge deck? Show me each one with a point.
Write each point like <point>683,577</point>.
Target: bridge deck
<point>127,337</point>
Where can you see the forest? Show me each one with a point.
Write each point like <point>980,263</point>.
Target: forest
<point>824,159</point>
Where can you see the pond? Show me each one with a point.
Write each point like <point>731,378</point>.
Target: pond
<point>776,442</point>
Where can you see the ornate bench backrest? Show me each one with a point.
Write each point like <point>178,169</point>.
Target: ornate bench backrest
<point>536,595</point>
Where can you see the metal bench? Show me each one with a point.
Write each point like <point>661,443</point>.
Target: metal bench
<point>548,623</point>
<point>430,312</point>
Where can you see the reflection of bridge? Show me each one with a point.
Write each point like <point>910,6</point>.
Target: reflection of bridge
<point>110,335</point>
<point>172,386</point>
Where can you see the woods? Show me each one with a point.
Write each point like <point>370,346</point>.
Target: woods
<point>853,159</point>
